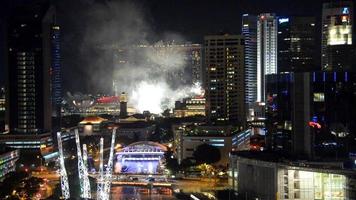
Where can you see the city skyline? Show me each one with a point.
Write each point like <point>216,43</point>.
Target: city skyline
<point>178,25</point>
<point>130,99</point>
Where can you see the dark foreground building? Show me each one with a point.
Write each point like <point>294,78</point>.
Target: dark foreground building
<point>33,57</point>
<point>312,114</point>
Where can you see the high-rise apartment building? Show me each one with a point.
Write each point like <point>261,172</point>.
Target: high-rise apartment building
<point>266,50</point>
<point>297,50</point>
<point>32,52</point>
<point>249,31</point>
<point>337,42</point>
<point>224,78</point>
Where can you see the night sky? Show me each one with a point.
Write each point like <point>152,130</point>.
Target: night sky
<point>190,19</point>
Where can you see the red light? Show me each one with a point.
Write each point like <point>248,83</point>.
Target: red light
<point>315,125</point>
<point>262,17</point>
<point>344,18</point>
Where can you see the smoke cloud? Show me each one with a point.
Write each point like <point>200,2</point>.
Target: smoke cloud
<point>119,45</point>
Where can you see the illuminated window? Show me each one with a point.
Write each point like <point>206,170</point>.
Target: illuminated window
<point>319,97</point>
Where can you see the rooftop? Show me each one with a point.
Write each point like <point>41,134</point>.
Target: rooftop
<point>93,120</point>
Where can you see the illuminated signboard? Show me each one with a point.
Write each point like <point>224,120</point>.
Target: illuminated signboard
<point>283,20</point>
<point>345,10</point>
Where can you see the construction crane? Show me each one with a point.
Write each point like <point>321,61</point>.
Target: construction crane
<point>108,171</point>
<point>100,183</point>
<point>86,177</point>
<point>63,171</point>
<point>83,177</point>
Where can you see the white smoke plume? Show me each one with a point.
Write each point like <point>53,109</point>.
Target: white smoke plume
<point>118,44</point>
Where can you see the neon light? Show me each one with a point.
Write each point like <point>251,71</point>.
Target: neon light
<point>346,77</point>
<point>345,10</point>
<point>314,77</point>
<point>315,125</point>
<point>283,20</point>
<point>324,76</point>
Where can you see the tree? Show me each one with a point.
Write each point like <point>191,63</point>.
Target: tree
<point>171,163</point>
<point>206,153</point>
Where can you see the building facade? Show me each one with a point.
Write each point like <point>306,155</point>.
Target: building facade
<point>269,179</point>
<point>249,31</point>
<point>312,112</point>
<point>297,50</point>
<point>55,73</point>
<point>192,106</point>
<point>224,78</point>
<point>29,79</point>
<point>8,162</point>
<point>337,45</point>
<point>266,50</point>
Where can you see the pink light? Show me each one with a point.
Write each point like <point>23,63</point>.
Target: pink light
<point>315,125</point>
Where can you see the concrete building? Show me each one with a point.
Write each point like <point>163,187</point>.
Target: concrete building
<point>297,49</point>
<point>266,51</point>
<point>224,78</point>
<point>337,44</point>
<point>268,177</point>
<point>188,136</point>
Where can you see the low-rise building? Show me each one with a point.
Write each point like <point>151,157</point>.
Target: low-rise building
<point>261,175</point>
<point>188,136</point>
<point>8,160</point>
<point>190,107</point>
<point>92,125</point>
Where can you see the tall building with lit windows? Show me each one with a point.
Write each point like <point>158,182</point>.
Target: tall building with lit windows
<point>297,50</point>
<point>56,73</point>
<point>224,78</point>
<point>249,31</point>
<point>33,55</point>
<point>337,45</point>
<point>266,50</point>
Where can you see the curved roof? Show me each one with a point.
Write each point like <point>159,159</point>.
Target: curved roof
<point>149,143</point>
<point>93,120</point>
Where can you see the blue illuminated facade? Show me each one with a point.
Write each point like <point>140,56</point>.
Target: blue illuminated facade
<point>249,31</point>
<point>141,158</point>
<point>56,77</point>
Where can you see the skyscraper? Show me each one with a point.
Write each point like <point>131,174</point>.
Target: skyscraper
<point>249,31</point>
<point>266,51</point>
<point>29,80</point>
<point>56,75</point>
<point>224,78</point>
<point>337,35</point>
<point>297,50</point>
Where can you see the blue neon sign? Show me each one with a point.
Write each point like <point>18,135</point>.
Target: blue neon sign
<point>283,20</point>
<point>345,10</point>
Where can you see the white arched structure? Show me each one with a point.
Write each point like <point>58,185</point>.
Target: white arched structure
<point>141,158</point>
